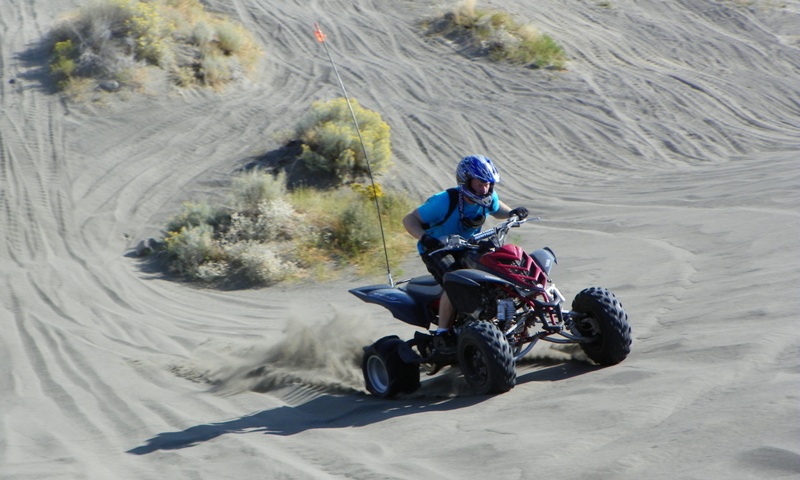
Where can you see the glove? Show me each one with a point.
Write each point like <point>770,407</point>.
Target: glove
<point>430,243</point>
<point>520,212</point>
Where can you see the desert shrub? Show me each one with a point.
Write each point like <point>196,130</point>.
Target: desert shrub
<point>111,38</point>
<point>146,24</point>
<point>215,70</point>
<point>184,76</point>
<point>355,230</point>
<point>217,244</point>
<point>331,144</point>
<point>497,35</point>
<point>369,191</point>
<point>191,247</point>
<point>266,234</point>
<point>230,38</point>
<point>212,271</point>
<point>202,35</point>
<point>395,206</point>
<point>258,263</point>
<point>274,220</point>
<point>64,62</point>
<point>249,190</point>
<point>195,215</point>
<point>345,227</point>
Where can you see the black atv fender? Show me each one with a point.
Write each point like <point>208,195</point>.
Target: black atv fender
<point>464,287</point>
<point>397,301</point>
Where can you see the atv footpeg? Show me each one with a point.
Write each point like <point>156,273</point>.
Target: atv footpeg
<point>407,353</point>
<point>428,353</point>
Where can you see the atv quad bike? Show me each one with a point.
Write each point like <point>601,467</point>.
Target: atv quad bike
<point>505,303</point>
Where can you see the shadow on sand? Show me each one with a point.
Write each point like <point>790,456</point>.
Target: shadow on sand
<point>327,411</point>
<point>339,411</point>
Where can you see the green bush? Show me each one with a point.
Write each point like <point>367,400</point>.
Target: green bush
<point>356,229</point>
<point>331,144</point>
<point>64,63</point>
<point>195,215</point>
<point>192,247</point>
<point>345,227</point>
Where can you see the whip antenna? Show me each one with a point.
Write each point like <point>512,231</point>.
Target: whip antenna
<point>321,39</point>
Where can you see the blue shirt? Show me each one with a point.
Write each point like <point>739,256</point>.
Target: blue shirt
<point>433,211</point>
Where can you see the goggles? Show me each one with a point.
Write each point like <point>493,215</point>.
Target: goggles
<point>475,222</point>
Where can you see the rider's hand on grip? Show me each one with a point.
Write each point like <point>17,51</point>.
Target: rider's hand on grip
<point>430,243</point>
<point>520,212</point>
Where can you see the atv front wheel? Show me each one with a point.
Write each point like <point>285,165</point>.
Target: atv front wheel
<point>485,358</point>
<point>599,314</point>
<point>385,373</point>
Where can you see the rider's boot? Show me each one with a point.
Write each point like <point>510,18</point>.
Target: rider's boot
<point>445,343</point>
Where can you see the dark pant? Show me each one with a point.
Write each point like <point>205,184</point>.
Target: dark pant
<point>439,263</point>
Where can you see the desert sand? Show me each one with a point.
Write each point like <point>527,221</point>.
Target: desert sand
<point>664,165</point>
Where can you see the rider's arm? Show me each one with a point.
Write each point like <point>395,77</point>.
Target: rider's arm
<point>503,211</point>
<point>413,224</point>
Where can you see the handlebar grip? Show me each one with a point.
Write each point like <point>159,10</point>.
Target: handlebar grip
<point>484,234</point>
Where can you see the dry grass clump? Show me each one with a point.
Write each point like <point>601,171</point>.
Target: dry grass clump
<point>265,235</point>
<point>110,40</point>
<point>496,34</point>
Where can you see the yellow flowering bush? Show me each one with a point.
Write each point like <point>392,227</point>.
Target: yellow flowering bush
<point>148,27</point>
<point>331,145</point>
<point>367,191</point>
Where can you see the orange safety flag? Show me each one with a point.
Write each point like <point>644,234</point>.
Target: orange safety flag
<point>318,33</point>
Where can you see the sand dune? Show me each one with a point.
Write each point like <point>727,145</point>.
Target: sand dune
<point>664,165</point>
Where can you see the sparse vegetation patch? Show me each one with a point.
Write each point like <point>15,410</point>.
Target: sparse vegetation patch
<point>497,35</point>
<point>266,232</point>
<point>265,235</point>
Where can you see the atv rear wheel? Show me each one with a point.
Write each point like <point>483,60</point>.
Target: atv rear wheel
<point>485,358</point>
<point>600,315</point>
<point>385,373</point>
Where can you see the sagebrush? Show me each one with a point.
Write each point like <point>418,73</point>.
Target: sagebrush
<point>331,145</point>
<point>112,39</point>
<point>265,234</point>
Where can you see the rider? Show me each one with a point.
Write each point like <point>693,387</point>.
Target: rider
<point>438,218</point>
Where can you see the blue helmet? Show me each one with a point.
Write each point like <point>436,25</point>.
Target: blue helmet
<point>482,168</point>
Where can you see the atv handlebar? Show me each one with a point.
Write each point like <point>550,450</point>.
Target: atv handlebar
<point>498,232</point>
